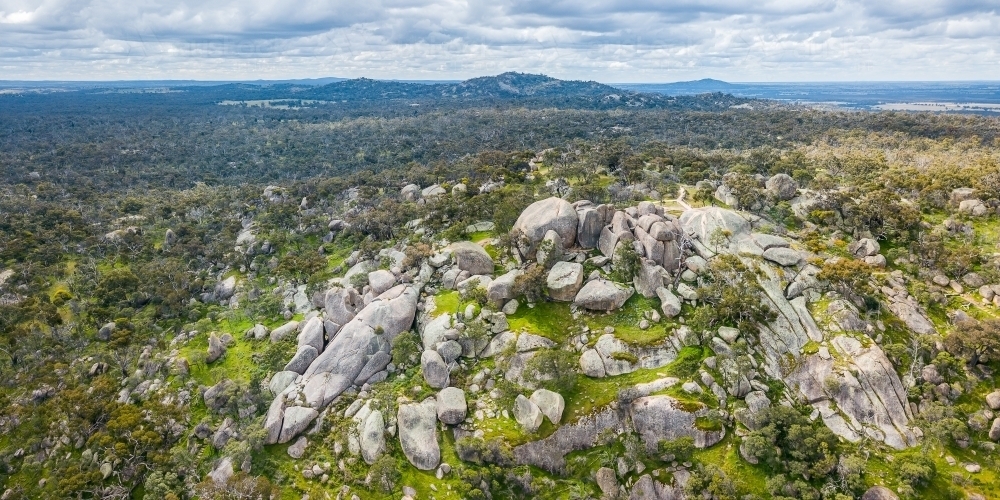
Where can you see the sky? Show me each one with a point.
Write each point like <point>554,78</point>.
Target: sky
<point>602,40</point>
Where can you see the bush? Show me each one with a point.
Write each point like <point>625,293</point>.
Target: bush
<point>679,449</point>
<point>555,369</point>
<point>625,265</point>
<point>384,473</point>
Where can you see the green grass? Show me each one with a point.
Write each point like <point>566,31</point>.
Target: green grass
<point>451,302</point>
<point>478,236</point>
<point>551,320</point>
<point>688,362</point>
<point>626,320</point>
<point>591,394</point>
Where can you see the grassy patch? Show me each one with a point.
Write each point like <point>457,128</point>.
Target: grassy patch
<point>626,320</point>
<point>594,393</point>
<point>551,320</point>
<point>688,362</point>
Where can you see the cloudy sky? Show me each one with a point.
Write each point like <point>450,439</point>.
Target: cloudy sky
<point>604,40</point>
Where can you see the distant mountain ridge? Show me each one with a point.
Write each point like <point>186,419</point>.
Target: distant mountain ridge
<point>511,86</point>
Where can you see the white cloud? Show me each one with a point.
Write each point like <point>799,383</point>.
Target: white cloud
<point>613,40</point>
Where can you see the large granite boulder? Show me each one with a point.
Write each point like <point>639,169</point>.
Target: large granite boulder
<point>380,281</point>
<point>602,295</point>
<point>501,289</point>
<point>302,359</point>
<point>471,257</point>
<point>418,433</point>
<point>588,231</point>
<point>527,414</point>
<point>296,419</point>
<point>451,405</point>
<point>703,223</point>
<point>555,214</point>
<point>342,304</point>
<point>410,192</point>
<point>312,334</point>
<point>342,361</point>
<point>372,437</point>
<point>564,281</point>
<point>659,418</point>
<point>782,187</point>
<point>435,370</point>
<point>551,404</point>
<point>879,493</point>
<point>670,304</point>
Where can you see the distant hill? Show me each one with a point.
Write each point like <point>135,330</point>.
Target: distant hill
<point>523,88</point>
<point>693,87</point>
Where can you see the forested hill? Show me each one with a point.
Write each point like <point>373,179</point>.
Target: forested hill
<point>506,89</point>
<point>520,88</point>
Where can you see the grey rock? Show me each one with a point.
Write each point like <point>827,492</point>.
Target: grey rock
<point>550,250</point>
<point>215,348</point>
<point>658,418</point>
<point>530,342</point>
<point>297,418</point>
<point>258,332</point>
<point>879,493</point>
<point>670,305</point>
<point>312,335</point>
<point>281,380</point>
<point>550,403</point>
<point>588,231</point>
<point>995,430</point>
<point>449,350</point>
<point>220,475</point>
<point>782,187</point>
<point>510,307</point>
<point>602,295</point>
<point>728,334</point>
<point>993,400</point>
<point>225,289</point>
<point>607,481</point>
<point>342,304</point>
<point>649,278</point>
<point>553,214</point>
<point>432,191</point>
<point>452,407</point>
<point>375,364</point>
<point>435,370</point>
<point>223,434</point>
<point>501,289</point>
<point>913,317</point>
<point>471,257</point>
<point>591,364</point>
<point>865,247</point>
<point>608,242</point>
<point>417,424</point>
<point>105,332</point>
<point>372,437</point>
<point>783,256</point>
<point>380,281</point>
<point>282,331</point>
<point>564,281</point>
<point>302,359</point>
<point>217,396</point>
<point>410,192</point>
<point>527,414</point>
<point>298,448</point>
<point>704,222</point>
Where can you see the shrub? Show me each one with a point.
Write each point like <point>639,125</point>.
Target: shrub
<point>679,449</point>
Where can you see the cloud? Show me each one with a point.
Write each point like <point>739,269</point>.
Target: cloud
<point>612,40</point>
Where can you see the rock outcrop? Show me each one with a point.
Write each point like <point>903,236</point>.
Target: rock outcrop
<point>418,434</point>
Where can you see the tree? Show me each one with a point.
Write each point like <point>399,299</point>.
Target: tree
<point>973,340</point>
